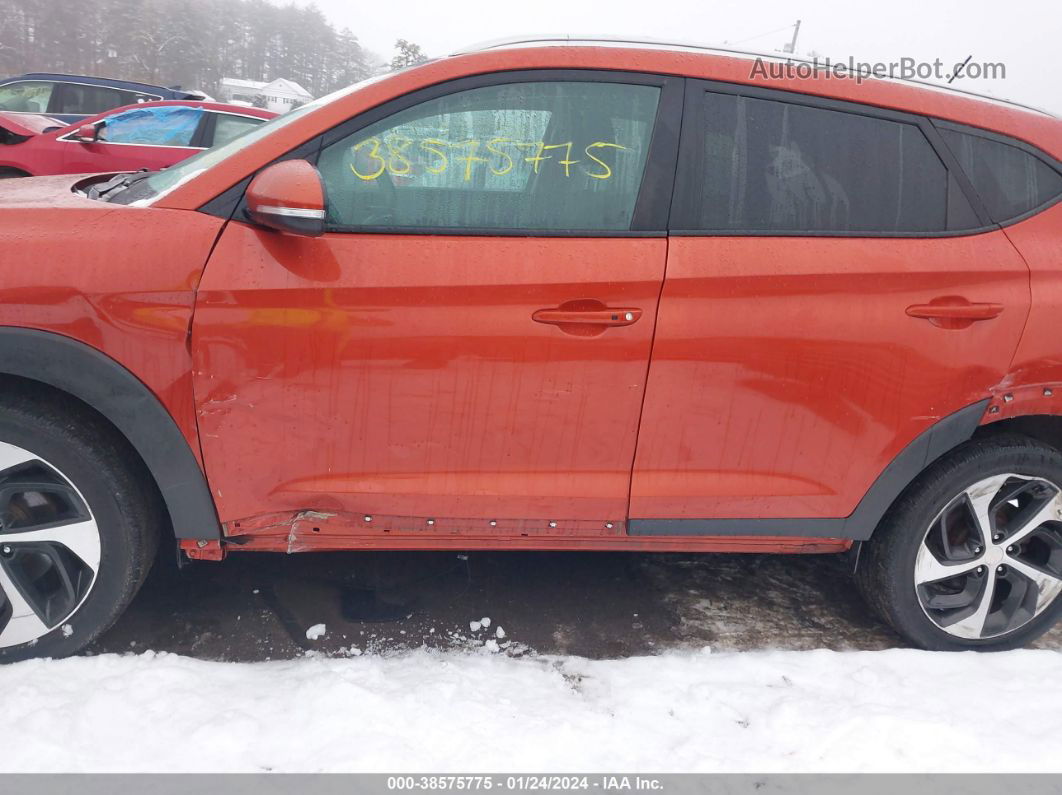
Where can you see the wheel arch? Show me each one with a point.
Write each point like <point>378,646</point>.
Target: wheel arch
<point>112,391</point>
<point>1046,428</point>
<point>942,437</point>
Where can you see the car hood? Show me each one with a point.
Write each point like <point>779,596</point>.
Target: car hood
<point>28,123</point>
<point>54,192</point>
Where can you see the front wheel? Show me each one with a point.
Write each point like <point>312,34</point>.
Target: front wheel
<point>970,557</point>
<point>78,527</point>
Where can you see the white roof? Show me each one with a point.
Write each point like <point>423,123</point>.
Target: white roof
<point>290,86</point>
<point>236,82</point>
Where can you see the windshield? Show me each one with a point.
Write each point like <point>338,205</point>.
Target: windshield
<point>161,182</point>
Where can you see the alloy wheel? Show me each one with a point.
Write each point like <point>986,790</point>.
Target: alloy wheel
<point>991,561</point>
<point>49,547</point>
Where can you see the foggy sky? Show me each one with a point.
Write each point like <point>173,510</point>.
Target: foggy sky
<point>1025,36</point>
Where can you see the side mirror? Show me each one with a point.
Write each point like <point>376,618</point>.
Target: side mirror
<point>288,197</point>
<point>88,133</point>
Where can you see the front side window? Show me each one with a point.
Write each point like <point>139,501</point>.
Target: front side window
<point>529,156</point>
<point>227,127</point>
<point>31,96</point>
<point>155,126</point>
<point>785,168</point>
<point>1009,180</point>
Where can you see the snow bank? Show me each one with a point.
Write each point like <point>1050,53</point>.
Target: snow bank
<point>757,711</point>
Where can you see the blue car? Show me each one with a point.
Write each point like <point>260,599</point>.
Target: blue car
<point>73,97</point>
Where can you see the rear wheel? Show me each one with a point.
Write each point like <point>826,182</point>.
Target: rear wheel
<point>971,556</point>
<point>10,173</point>
<point>79,525</point>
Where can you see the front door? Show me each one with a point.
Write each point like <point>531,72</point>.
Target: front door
<point>150,137</point>
<point>465,350</point>
<point>830,295</point>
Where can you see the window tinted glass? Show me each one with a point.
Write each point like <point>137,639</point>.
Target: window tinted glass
<point>28,97</point>
<point>158,126</point>
<point>546,156</point>
<point>228,127</point>
<point>76,98</point>
<point>133,97</point>
<point>775,166</point>
<point>1009,180</point>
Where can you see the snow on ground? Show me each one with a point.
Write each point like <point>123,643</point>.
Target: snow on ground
<point>766,711</point>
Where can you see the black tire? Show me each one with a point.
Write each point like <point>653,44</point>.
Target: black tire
<point>120,494</point>
<point>11,173</point>
<point>886,570</point>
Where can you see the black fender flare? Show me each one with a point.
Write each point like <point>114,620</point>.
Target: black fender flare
<point>102,383</point>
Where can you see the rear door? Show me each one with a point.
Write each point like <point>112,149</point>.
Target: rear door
<point>831,293</point>
<point>465,349</point>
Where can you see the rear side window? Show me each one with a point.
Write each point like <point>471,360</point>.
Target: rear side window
<point>88,100</point>
<point>227,127</point>
<point>31,96</point>
<point>1009,180</point>
<point>524,156</point>
<point>778,167</point>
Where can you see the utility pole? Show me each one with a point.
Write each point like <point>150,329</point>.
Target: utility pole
<point>791,46</point>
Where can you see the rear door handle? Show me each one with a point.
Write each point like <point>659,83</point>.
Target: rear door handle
<point>954,312</point>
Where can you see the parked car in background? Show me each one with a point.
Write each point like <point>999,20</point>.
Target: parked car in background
<point>72,97</point>
<point>551,297</point>
<point>150,135</point>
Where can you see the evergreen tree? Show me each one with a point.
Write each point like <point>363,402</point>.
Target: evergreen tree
<point>191,43</point>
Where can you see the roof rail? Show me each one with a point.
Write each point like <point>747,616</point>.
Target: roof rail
<point>631,41</point>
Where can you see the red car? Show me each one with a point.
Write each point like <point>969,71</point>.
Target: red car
<point>582,296</point>
<point>149,135</point>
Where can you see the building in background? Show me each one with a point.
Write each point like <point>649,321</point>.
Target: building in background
<point>279,96</point>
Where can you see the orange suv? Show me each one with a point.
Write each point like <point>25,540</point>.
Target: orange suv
<point>551,295</point>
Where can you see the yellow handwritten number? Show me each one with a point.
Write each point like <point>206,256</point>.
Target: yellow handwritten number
<point>601,145</point>
<point>374,153</point>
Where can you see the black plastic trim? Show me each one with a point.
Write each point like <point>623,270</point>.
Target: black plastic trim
<point>927,447</point>
<point>686,189</point>
<point>109,388</point>
<point>204,132</point>
<point>230,201</point>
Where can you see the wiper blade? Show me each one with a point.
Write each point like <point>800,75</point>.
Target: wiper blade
<point>116,184</point>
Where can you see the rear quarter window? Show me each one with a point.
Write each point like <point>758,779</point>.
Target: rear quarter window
<point>1009,180</point>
